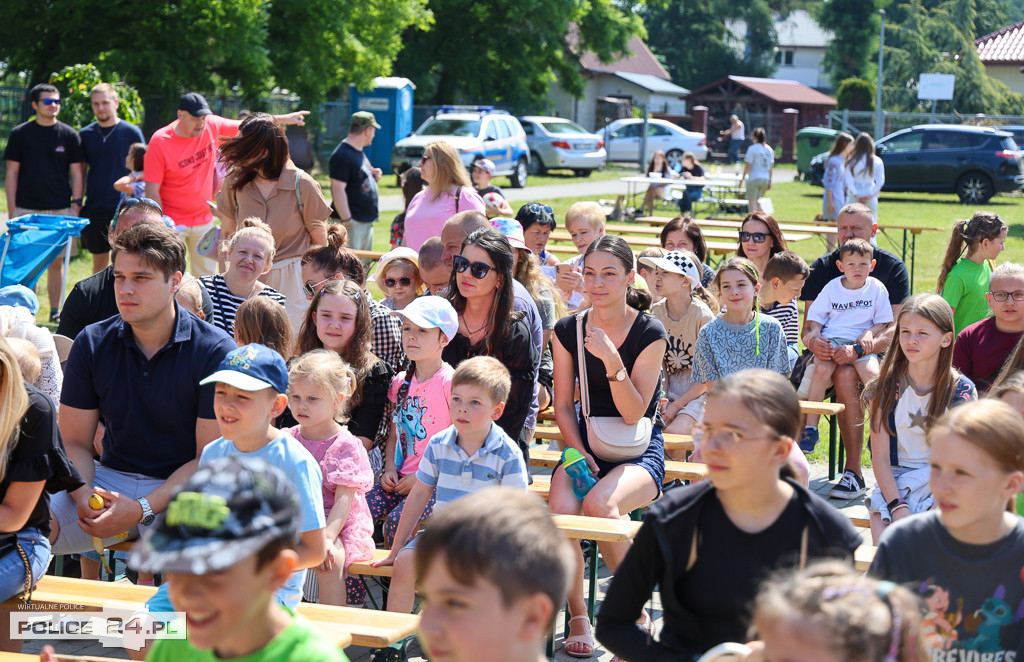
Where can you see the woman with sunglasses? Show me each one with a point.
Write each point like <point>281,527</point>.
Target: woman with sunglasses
<point>481,292</point>
<point>760,239</point>
<point>708,546</point>
<point>263,182</point>
<point>624,348</point>
<point>448,192</point>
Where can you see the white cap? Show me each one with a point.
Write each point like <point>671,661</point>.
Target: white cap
<point>677,262</point>
<point>432,312</point>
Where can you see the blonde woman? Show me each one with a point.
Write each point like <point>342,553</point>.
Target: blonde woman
<point>448,192</point>
<point>31,454</point>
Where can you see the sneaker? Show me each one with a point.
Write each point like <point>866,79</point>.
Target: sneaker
<point>850,486</point>
<point>389,654</point>
<point>808,440</point>
<point>55,317</point>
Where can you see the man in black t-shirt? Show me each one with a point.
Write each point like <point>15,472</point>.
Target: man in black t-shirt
<point>105,144</point>
<point>853,221</point>
<point>40,155</point>
<point>354,182</point>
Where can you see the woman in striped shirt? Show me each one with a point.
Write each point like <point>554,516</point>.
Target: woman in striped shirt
<point>250,254</point>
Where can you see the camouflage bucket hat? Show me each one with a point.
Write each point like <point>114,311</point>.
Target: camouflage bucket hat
<point>230,509</point>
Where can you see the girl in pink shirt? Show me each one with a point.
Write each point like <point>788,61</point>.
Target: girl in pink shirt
<point>319,384</point>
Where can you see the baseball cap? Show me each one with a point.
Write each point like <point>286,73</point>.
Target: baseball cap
<point>364,118</point>
<point>486,165</point>
<point>535,212</point>
<point>230,508</point>
<point>252,367</point>
<point>194,104</point>
<point>677,262</point>
<point>19,296</point>
<point>432,312</point>
<point>512,230</point>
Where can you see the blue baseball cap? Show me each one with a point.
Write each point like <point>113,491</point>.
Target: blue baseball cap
<point>252,367</point>
<point>19,295</point>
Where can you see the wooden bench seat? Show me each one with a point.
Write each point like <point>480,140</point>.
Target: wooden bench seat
<point>341,625</point>
<point>858,515</point>
<point>863,557</point>
<point>673,470</point>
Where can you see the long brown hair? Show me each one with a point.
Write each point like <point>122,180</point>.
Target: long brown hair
<point>778,241</point>
<point>968,235</point>
<point>883,391</point>
<point>496,245</point>
<point>664,163</point>
<point>259,149</point>
<point>357,352</point>
<point>691,230</point>
<point>742,265</point>
<point>839,146</point>
<point>863,147</point>
<point>264,321</point>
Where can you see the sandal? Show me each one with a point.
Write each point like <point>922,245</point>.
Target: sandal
<point>585,640</point>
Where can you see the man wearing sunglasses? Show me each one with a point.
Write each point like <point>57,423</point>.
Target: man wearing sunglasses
<point>41,154</point>
<point>180,169</point>
<point>105,144</point>
<point>853,221</point>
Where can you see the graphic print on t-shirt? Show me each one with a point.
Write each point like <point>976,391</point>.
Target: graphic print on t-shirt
<point>679,355</point>
<point>409,421</point>
<point>953,630</point>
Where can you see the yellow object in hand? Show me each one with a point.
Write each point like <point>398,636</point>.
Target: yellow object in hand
<point>96,502</point>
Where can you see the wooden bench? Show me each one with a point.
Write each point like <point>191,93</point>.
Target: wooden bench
<point>863,557</point>
<point>674,470</point>
<point>341,625</point>
<point>858,515</point>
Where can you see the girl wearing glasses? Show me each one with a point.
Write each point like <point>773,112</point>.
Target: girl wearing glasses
<point>624,348</point>
<point>481,292</point>
<point>982,350</point>
<point>760,240</point>
<point>708,546</point>
<point>448,192</point>
<point>963,281</point>
<point>916,384</point>
<point>250,254</point>
<point>965,558</point>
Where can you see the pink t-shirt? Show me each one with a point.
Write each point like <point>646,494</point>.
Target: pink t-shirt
<point>422,414</point>
<point>426,216</point>
<point>184,169</point>
<point>344,463</point>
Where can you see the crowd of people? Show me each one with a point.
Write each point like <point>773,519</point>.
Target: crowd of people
<point>274,418</point>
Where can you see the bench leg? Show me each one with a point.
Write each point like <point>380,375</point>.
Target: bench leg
<point>831,447</point>
<point>592,596</point>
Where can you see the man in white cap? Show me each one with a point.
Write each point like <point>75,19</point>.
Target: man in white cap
<point>180,169</point>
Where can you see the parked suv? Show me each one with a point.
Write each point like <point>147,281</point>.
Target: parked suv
<point>975,162</point>
<point>476,132</point>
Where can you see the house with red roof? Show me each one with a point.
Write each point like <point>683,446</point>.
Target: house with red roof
<point>1002,54</point>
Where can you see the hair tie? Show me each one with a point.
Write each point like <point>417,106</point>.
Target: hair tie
<point>883,590</point>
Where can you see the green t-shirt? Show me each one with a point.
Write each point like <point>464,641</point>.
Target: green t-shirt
<point>299,642</point>
<point>965,290</point>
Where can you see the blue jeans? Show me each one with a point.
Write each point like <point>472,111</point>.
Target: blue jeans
<point>734,150</point>
<point>12,568</point>
<point>690,195</point>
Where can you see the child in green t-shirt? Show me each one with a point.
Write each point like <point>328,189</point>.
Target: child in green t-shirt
<point>963,281</point>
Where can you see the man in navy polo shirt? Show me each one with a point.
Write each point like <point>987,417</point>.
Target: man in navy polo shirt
<point>140,371</point>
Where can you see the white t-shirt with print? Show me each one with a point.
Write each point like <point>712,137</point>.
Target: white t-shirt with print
<point>846,313</point>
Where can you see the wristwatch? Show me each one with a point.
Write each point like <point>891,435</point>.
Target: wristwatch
<point>619,376</point>
<point>147,512</point>
<point>77,201</point>
<point>857,347</point>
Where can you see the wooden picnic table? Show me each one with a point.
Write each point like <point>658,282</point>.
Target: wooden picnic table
<point>790,236</point>
<point>657,221</point>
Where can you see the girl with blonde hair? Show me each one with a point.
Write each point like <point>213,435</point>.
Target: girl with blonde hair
<point>448,192</point>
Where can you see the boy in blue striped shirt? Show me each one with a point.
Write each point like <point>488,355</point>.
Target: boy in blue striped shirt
<point>472,454</point>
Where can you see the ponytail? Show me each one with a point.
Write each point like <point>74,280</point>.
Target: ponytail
<point>954,250</point>
<point>639,299</point>
<point>968,235</point>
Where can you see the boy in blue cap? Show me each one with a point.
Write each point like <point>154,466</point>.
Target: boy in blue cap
<point>251,383</point>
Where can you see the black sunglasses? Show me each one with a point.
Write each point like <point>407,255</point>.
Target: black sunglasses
<point>756,237</point>
<point>404,281</point>
<point>477,270</point>
<point>310,288</point>
<point>128,203</point>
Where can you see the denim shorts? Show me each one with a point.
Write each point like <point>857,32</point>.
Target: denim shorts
<point>12,568</point>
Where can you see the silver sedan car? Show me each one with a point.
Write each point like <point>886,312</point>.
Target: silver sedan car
<point>560,143</point>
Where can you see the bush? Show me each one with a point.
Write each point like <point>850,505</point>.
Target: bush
<point>77,80</point>
<point>855,94</point>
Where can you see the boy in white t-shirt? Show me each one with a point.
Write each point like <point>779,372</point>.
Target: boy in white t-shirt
<point>851,310</point>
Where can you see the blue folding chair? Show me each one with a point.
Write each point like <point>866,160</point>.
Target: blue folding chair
<point>32,242</point>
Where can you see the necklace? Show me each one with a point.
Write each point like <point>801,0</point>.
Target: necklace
<point>471,331</point>
<point>109,133</point>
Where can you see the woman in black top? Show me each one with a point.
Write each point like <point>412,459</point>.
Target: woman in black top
<point>31,458</point>
<point>708,546</point>
<point>691,169</point>
<point>481,292</point>
<point>624,348</point>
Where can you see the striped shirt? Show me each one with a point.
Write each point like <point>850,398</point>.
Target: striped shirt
<point>225,304</point>
<point>789,317</point>
<point>447,468</point>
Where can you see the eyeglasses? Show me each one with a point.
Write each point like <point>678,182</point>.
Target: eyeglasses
<point>310,290</point>
<point>128,203</point>
<point>1003,296</point>
<point>404,281</point>
<point>726,440</point>
<point>756,237</point>
<point>477,270</point>
<point>50,102</point>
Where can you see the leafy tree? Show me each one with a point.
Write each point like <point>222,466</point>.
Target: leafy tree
<point>854,25</point>
<point>76,83</point>
<point>511,51</point>
<point>855,94</point>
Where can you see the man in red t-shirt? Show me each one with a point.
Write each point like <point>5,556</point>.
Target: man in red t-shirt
<point>179,171</point>
<point>981,349</point>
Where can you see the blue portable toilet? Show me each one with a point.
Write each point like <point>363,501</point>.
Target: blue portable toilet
<point>390,101</point>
